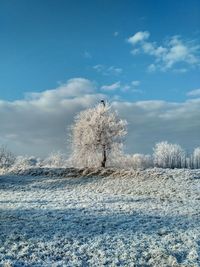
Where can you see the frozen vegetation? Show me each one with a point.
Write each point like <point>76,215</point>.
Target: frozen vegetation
<point>100,217</point>
<point>127,214</point>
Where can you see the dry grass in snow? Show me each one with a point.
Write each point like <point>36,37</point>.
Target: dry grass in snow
<point>100,218</point>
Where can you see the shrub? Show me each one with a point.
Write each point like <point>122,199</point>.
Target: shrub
<point>25,162</point>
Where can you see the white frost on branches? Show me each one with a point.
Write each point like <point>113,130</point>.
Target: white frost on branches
<point>7,158</point>
<point>169,155</point>
<point>196,158</point>
<point>55,160</point>
<point>135,161</point>
<point>97,136</point>
<point>25,162</point>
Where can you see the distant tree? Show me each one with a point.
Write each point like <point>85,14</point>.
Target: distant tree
<point>169,155</point>
<point>196,158</point>
<point>135,161</point>
<point>97,135</point>
<point>55,160</point>
<point>141,161</point>
<point>7,158</point>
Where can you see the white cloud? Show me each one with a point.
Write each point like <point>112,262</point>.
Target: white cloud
<point>98,67</point>
<point>138,37</point>
<point>151,68</point>
<point>135,51</point>
<point>180,52</point>
<point>131,87</point>
<point>87,54</point>
<point>125,88</point>
<point>37,124</point>
<point>111,87</point>
<point>180,70</point>
<point>167,56</point>
<point>114,70</point>
<point>135,83</point>
<point>194,93</point>
<point>73,87</point>
<point>116,34</point>
<point>153,121</point>
<point>105,70</point>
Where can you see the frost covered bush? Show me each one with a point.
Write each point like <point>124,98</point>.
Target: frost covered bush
<point>135,161</point>
<point>141,161</point>
<point>7,158</point>
<point>55,160</point>
<point>97,136</point>
<point>168,155</point>
<point>25,162</point>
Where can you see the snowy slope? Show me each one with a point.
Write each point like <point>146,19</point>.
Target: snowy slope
<point>115,218</point>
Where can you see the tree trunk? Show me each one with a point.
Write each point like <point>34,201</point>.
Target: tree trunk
<point>103,163</point>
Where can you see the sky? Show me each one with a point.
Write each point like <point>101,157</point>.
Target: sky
<point>60,57</point>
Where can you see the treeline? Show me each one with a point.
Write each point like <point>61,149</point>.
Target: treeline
<point>165,155</point>
<point>9,161</point>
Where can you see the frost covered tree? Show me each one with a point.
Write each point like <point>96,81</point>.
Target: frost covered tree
<point>196,158</point>
<point>169,155</point>
<point>7,158</point>
<point>97,136</point>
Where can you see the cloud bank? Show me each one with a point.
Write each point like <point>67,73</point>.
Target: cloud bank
<point>37,124</point>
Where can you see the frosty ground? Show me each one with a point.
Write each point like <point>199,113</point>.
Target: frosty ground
<point>100,218</point>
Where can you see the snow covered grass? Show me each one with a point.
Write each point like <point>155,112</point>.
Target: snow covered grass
<point>69,217</point>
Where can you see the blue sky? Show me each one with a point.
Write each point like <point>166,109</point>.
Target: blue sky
<point>47,42</point>
<point>142,53</point>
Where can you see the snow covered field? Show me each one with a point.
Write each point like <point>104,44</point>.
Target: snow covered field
<point>139,218</point>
